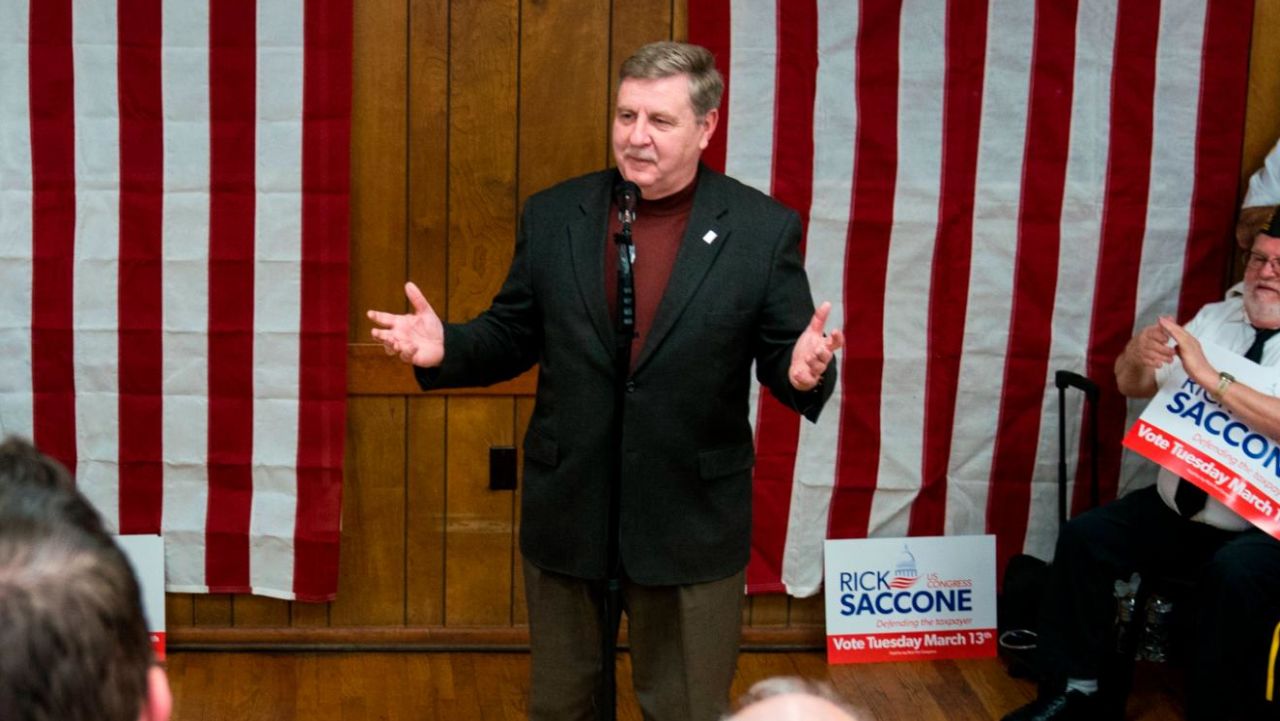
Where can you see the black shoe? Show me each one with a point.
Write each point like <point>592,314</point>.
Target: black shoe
<point>1063,706</point>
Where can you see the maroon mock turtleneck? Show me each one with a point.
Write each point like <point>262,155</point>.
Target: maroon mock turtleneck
<point>657,230</point>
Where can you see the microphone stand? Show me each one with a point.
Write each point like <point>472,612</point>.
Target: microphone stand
<point>611,609</point>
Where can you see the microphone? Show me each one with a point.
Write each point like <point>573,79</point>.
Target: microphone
<point>625,195</point>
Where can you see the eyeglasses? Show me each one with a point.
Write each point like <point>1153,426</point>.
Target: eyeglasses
<point>1255,261</point>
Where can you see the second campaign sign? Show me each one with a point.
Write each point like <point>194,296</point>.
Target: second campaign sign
<point>910,599</point>
<point>1187,431</point>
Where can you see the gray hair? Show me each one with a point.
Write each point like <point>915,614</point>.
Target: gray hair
<point>666,58</point>
<point>785,685</point>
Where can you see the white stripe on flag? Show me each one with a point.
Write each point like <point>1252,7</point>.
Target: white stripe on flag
<point>753,37</point>
<point>1173,172</point>
<point>15,224</point>
<point>97,246</point>
<point>922,59</point>
<point>834,128</point>
<point>185,88</point>
<point>997,194</point>
<point>276,293</point>
<point>1081,233</point>
<point>753,68</point>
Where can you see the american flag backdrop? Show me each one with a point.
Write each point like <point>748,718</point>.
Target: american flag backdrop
<point>993,190</point>
<point>173,272</point>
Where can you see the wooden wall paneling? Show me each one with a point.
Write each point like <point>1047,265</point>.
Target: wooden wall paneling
<point>370,586</point>
<point>318,687</point>
<point>519,611</point>
<point>1262,114</point>
<point>429,148</point>
<point>480,539</point>
<point>564,88</point>
<point>179,610</point>
<point>483,67</point>
<point>378,145</point>
<point>428,267</point>
<point>482,151</point>
<point>419,680</point>
<point>679,20</point>
<point>267,688</point>
<point>425,512</point>
<point>769,609</point>
<point>810,611</point>
<point>371,372</point>
<point>371,581</point>
<point>440,685</point>
<point>259,611</point>
<point>213,609</point>
<point>372,685</point>
<point>309,615</point>
<point>502,683</point>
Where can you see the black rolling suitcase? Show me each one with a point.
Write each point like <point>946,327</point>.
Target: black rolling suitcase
<point>1026,576</point>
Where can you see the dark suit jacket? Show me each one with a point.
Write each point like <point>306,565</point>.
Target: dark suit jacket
<point>733,297</point>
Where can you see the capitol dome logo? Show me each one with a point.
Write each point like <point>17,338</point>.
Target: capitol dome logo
<point>905,573</point>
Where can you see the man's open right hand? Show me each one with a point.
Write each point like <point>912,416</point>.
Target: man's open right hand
<point>416,337</point>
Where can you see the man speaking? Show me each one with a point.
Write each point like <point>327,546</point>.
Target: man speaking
<point>649,438</point>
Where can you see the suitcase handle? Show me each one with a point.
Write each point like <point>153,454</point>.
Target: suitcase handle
<point>1067,379</point>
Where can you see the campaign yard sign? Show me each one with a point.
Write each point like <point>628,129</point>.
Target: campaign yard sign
<point>910,599</point>
<point>1201,440</point>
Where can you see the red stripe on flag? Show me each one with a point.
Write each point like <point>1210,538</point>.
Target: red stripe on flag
<point>966,42</point>
<point>797,77</point>
<point>709,27</point>
<point>875,170</point>
<point>139,299</point>
<point>323,342</point>
<point>51,89</point>
<point>1035,274</point>
<point>777,427</point>
<point>232,52</point>
<point>1124,213</point>
<point>1223,81</point>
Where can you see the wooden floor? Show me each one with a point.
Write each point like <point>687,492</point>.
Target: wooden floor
<point>261,686</point>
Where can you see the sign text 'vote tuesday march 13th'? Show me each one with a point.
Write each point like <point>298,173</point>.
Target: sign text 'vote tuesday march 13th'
<point>1184,430</point>
<point>910,599</point>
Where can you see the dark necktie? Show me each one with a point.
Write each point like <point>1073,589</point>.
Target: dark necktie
<point>1189,497</point>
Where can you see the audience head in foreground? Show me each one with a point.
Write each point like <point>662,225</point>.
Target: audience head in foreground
<point>789,698</point>
<point>75,639</point>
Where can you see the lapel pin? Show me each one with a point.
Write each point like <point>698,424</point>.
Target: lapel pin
<point>709,237</point>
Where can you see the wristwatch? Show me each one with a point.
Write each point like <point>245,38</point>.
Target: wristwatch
<point>1225,380</point>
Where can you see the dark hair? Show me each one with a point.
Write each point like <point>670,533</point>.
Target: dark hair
<point>76,644</point>
<point>34,486</point>
<point>665,59</point>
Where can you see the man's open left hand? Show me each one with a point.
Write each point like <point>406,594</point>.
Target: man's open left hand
<point>814,350</point>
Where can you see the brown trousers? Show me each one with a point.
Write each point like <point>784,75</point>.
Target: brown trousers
<point>684,646</point>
